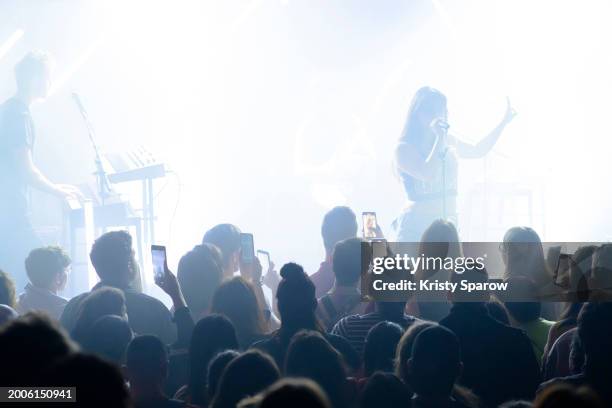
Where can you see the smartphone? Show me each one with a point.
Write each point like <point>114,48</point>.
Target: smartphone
<point>247,248</point>
<point>562,270</point>
<point>379,248</point>
<point>264,258</point>
<point>158,255</point>
<point>370,224</point>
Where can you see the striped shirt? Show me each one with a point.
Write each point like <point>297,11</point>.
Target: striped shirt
<point>355,328</point>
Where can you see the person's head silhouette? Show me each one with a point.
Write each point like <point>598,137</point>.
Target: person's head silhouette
<point>296,300</point>
<point>384,390</point>
<point>226,237</point>
<point>211,335</point>
<point>146,363</point>
<point>435,364</point>
<point>28,345</point>
<point>236,300</point>
<point>311,356</point>
<point>101,302</point>
<point>380,345</point>
<point>246,375</point>
<point>200,272</point>
<point>33,75</point>
<point>98,383</point>
<point>108,338</point>
<point>595,333</point>
<point>112,257</point>
<point>215,369</point>
<point>296,393</point>
<point>346,262</point>
<point>339,223</point>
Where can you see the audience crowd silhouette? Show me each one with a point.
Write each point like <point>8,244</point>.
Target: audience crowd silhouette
<point>317,343</point>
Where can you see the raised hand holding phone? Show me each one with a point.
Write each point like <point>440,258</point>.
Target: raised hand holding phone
<point>164,278</point>
<point>371,229</point>
<point>271,278</point>
<point>247,248</point>
<point>158,256</point>
<point>250,267</point>
<point>251,271</point>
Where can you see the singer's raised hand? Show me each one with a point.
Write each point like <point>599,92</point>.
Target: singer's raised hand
<point>510,112</point>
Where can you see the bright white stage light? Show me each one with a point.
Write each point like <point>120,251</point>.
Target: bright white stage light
<point>76,65</point>
<point>10,42</point>
<point>222,90</point>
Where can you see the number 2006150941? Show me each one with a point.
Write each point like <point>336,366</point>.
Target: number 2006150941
<point>37,394</point>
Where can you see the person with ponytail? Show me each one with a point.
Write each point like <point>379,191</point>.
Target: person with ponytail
<point>297,304</point>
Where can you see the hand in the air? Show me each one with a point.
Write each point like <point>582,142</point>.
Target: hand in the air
<point>510,112</point>
<point>169,284</point>
<point>251,271</point>
<point>271,278</point>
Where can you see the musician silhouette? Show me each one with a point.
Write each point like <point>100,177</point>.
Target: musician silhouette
<point>18,172</point>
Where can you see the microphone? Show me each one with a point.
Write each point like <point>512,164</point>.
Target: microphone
<point>440,128</point>
<point>439,124</point>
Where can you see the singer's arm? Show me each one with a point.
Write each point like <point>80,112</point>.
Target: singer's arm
<point>476,151</point>
<point>35,178</point>
<point>480,149</point>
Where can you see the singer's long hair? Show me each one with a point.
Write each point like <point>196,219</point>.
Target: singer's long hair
<point>426,101</point>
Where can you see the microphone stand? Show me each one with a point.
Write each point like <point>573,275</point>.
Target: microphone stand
<point>104,187</point>
<point>444,192</point>
<point>439,139</point>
